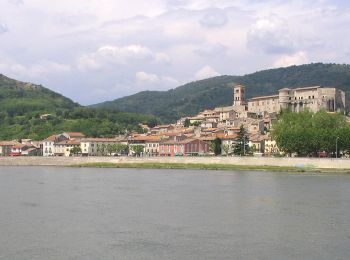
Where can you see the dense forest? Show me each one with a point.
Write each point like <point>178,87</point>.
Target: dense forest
<point>194,97</point>
<point>22,104</point>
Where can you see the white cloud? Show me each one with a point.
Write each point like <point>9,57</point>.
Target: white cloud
<point>124,55</point>
<point>270,35</point>
<point>95,47</point>
<point>149,79</point>
<point>34,71</point>
<point>206,72</point>
<point>294,59</point>
<point>146,78</point>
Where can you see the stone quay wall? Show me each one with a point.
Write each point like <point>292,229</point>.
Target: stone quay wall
<point>322,163</point>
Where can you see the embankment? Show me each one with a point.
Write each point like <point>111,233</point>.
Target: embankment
<point>245,162</point>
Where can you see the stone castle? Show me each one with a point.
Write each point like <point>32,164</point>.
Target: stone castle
<point>313,98</point>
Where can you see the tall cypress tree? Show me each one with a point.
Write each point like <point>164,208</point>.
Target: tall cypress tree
<point>241,147</point>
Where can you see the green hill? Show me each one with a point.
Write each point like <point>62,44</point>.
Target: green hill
<point>196,96</point>
<point>18,97</point>
<point>21,105</point>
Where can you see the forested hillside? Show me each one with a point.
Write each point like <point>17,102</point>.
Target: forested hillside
<point>18,97</point>
<point>22,104</point>
<point>196,96</point>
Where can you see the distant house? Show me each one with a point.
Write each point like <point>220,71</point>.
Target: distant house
<point>161,129</point>
<point>6,147</point>
<point>96,146</point>
<point>229,141</point>
<point>257,143</point>
<point>45,116</point>
<point>152,145</point>
<point>31,151</point>
<point>17,149</point>
<point>49,144</point>
<point>63,148</point>
<point>187,147</point>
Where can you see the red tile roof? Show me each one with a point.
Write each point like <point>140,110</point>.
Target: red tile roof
<point>51,138</point>
<point>75,134</point>
<point>69,142</point>
<point>7,143</point>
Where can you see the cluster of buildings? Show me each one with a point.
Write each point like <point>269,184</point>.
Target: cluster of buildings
<point>192,136</point>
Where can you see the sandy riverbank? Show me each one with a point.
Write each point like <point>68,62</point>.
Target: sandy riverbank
<point>246,162</point>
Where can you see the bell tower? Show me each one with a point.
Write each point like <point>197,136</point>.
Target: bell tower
<point>239,95</point>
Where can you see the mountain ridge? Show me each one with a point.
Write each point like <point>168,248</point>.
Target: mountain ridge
<point>193,97</point>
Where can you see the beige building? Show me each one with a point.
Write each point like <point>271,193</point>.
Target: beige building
<point>313,98</point>
<point>64,148</point>
<point>95,146</point>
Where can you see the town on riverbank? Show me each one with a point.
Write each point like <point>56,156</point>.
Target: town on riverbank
<point>248,127</point>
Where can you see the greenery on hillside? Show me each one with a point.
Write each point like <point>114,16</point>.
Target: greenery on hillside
<point>21,105</point>
<point>194,97</point>
<point>92,122</point>
<point>308,134</point>
<point>175,103</point>
<point>18,98</point>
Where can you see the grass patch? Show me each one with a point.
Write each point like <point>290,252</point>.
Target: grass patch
<point>195,166</point>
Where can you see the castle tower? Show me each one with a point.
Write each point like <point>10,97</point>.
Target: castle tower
<point>283,97</point>
<point>239,95</point>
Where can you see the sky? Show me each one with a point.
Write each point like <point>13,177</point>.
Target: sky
<point>97,50</point>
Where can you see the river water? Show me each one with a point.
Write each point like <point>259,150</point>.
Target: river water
<point>67,213</point>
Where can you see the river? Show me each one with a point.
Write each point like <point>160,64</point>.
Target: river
<point>84,213</point>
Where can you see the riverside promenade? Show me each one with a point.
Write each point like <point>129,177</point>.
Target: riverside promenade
<point>310,163</point>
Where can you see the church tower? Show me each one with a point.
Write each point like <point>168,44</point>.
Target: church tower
<point>239,95</point>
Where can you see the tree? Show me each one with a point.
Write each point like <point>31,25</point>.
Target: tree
<point>307,134</point>
<point>122,149</point>
<point>138,149</point>
<point>187,122</point>
<point>226,148</point>
<point>102,149</point>
<point>152,122</point>
<point>75,150</point>
<point>215,146</point>
<point>111,148</point>
<point>242,145</point>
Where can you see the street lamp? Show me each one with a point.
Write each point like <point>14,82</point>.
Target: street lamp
<point>244,146</point>
<point>336,147</point>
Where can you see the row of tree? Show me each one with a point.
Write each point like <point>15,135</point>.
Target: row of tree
<point>310,134</point>
<point>110,149</point>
